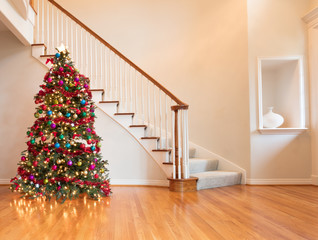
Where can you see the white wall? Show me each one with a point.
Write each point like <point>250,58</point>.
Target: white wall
<point>275,28</point>
<point>197,49</point>
<point>20,77</point>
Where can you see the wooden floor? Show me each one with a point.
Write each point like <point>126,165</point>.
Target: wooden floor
<point>237,212</point>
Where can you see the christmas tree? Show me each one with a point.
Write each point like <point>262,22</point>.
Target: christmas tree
<point>63,156</point>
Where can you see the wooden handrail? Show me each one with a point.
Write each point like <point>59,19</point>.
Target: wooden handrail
<point>166,91</point>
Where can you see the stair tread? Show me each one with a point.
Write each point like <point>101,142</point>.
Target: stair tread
<point>96,89</point>
<point>161,150</point>
<point>137,126</point>
<point>167,163</point>
<point>47,55</point>
<point>150,138</point>
<point>213,179</point>
<point>39,44</point>
<point>109,102</point>
<point>124,114</point>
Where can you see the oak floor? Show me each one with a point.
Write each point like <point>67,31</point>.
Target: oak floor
<point>236,212</point>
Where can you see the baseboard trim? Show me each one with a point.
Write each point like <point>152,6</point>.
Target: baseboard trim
<point>314,179</point>
<point>141,182</point>
<point>279,181</point>
<point>4,181</point>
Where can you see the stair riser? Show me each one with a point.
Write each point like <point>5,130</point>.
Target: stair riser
<point>137,132</point>
<point>149,144</point>
<point>109,108</point>
<point>124,120</point>
<point>97,96</point>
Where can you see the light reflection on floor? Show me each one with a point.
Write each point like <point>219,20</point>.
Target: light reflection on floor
<point>41,207</point>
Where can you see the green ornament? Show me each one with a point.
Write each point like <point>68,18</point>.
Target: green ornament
<point>28,132</point>
<point>89,137</point>
<point>49,122</point>
<point>36,115</point>
<point>29,164</point>
<point>45,181</point>
<point>32,141</point>
<point>72,128</point>
<point>66,88</point>
<point>79,164</point>
<point>71,85</point>
<point>78,88</point>
<point>93,114</point>
<point>84,114</point>
<point>99,144</point>
<point>61,136</point>
<point>40,111</point>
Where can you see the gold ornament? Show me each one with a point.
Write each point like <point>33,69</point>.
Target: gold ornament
<point>61,100</point>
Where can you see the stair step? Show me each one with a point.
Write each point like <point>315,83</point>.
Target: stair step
<point>214,179</point>
<point>121,114</point>
<point>97,90</point>
<point>138,126</point>
<point>161,150</point>
<point>47,55</point>
<point>150,138</point>
<point>197,165</point>
<point>39,44</point>
<point>168,163</point>
<point>109,102</point>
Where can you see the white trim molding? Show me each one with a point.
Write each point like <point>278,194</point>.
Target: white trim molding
<point>279,181</point>
<point>314,179</point>
<point>141,182</point>
<point>4,181</point>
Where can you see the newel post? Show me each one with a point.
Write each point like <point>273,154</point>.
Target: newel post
<point>180,180</point>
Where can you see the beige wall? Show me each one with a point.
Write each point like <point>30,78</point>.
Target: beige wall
<point>20,77</point>
<point>313,4</point>
<point>197,49</point>
<point>275,28</point>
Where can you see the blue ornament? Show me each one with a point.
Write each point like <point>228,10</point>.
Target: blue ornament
<point>57,55</point>
<point>67,145</point>
<point>49,113</point>
<point>83,102</point>
<point>57,145</point>
<point>67,114</point>
<point>93,148</point>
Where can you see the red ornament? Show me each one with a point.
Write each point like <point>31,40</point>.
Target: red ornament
<point>40,133</point>
<point>68,102</point>
<point>78,111</point>
<point>93,132</point>
<point>89,141</point>
<point>23,158</point>
<point>54,167</point>
<point>82,146</point>
<point>47,160</point>
<point>96,175</point>
<point>35,163</point>
<point>44,107</point>
<point>43,138</point>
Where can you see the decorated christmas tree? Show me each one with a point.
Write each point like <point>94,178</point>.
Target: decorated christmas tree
<point>63,156</point>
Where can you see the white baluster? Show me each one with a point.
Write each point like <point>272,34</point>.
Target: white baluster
<point>86,54</point>
<point>173,155</point>
<point>154,110</point>
<point>110,75</point>
<point>48,26</point>
<point>131,89</point>
<point>37,36</point>
<point>166,122</point>
<point>136,97</point>
<point>142,95</point>
<point>91,60</point>
<point>105,86</point>
<point>160,120</point>
<point>179,145</point>
<point>62,29</point>
<point>57,43</point>
<point>148,102</point>
<point>101,67</point>
<point>52,28</point>
<point>67,43</point>
<point>186,138</point>
<point>42,20</point>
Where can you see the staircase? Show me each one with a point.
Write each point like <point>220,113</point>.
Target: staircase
<point>156,118</point>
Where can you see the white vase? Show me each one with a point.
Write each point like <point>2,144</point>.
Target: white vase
<point>272,120</point>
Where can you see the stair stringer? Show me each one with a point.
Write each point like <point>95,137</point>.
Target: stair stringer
<point>165,168</point>
<point>224,164</point>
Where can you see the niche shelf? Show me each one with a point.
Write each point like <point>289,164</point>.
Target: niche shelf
<point>281,85</point>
